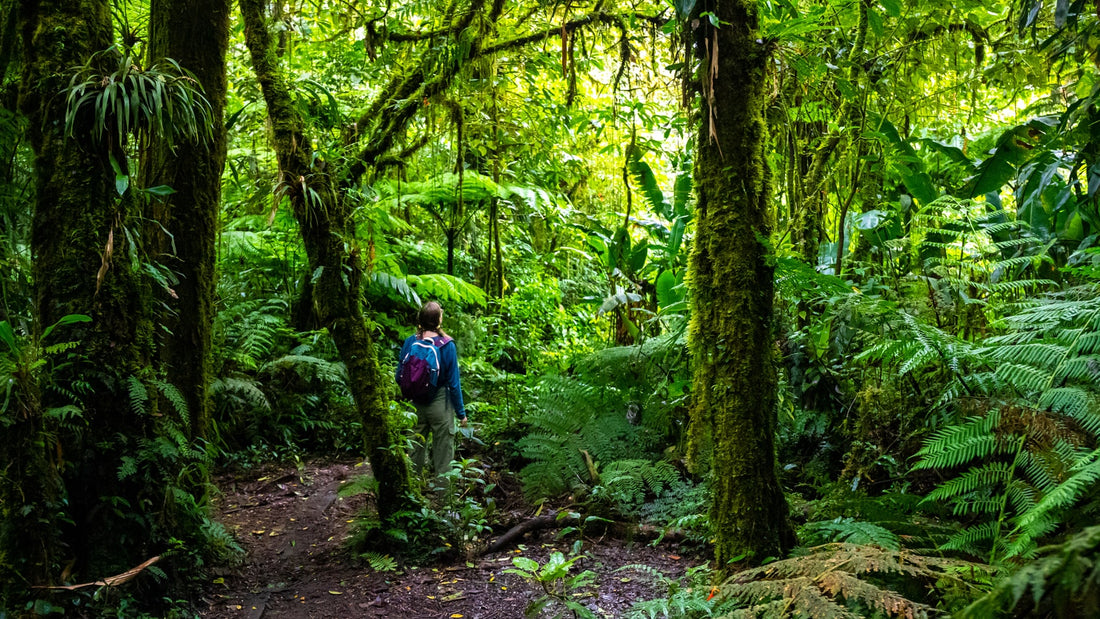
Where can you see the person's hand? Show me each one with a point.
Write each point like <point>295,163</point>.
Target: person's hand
<point>462,422</point>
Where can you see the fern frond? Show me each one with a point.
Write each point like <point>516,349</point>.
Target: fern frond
<point>956,445</point>
<point>1063,496</point>
<point>1064,581</point>
<point>248,390</point>
<point>138,394</point>
<point>179,404</point>
<point>850,531</point>
<point>1025,378</point>
<point>990,474</point>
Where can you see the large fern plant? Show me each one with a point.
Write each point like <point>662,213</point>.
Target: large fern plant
<point>1024,451</point>
<point>604,427</point>
<point>849,581</point>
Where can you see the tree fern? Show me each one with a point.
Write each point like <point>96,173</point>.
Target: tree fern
<point>845,580</point>
<point>1064,581</point>
<point>1035,387</point>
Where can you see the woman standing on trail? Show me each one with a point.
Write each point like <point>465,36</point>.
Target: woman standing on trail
<point>437,414</point>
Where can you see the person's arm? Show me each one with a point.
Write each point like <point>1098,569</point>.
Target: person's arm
<point>449,360</point>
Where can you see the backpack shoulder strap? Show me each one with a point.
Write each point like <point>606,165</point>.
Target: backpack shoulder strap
<point>442,340</point>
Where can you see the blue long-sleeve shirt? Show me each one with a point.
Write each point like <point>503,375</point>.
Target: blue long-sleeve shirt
<point>448,372</point>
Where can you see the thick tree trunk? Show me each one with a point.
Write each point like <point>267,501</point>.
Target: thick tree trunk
<point>734,374</point>
<point>79,250</point>
<point>195,33</point>
<point>326,228</point>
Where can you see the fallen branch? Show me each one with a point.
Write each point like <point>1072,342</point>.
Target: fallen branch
<point>559,520</point>
<point>533,524</point>
<point>110,581</point>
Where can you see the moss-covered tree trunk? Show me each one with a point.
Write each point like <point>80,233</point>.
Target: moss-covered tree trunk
<point>733,406</point>
<point>324,220</point>
<point>81,266</point>
<point>194,33</point>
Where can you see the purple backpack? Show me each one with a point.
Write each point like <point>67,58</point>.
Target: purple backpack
<point>418,370</point>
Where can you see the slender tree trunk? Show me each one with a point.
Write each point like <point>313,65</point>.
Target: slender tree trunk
<point>79,246</point>
<point>195,33</point>
<point>452,237</point>
<point>809,229</point>
<point>732,343</point>
<point>325,225</point>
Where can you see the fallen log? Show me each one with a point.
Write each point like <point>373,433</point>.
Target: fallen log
<point>533,524</point>
<point>623,530</point>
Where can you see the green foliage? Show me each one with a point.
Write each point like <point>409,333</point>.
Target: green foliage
<point>379,562</point>
<point>164,102</point>
<point>1062,581</point>
<point>1023,454</point>
<point>615,415</point>
<point>276,390</point>
<point>687,597</point>
<point>850,531</point>
<point>446,288</point>
<point>626,485</point>
<point>466,496</point>
<point>33,504</point>
<point>978,254</point>
<point>559,588</point>
<point>848,580</point>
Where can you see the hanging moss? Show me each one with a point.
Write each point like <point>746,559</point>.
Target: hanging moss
<point>734,376</point>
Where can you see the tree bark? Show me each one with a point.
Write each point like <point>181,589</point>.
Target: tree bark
<point>733,409</point>
<point>195,33</point>
<point>79,247</point>
<point>325,224</point>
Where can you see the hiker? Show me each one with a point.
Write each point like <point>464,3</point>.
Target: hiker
<point>439,402</point>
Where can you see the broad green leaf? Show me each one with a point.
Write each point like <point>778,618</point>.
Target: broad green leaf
<point>160,191</point>
<point>918,183</point>
<point>681,193</point>
<point>638,256</point>
<point>67,319</point>
<point>8,336</point>
<point>647,184</point>
<point>992,174</point>
<point>525,564</point>
<point>1000,167</point>
<point>676,237</point>
<point>953,153</point>
<point>668,291</point>
<point>871,219</point>
<point>617,300</point>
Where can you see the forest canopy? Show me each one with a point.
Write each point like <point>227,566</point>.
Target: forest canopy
<point>808,288</point>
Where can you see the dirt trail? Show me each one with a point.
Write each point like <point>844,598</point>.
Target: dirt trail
<point>292,524</point>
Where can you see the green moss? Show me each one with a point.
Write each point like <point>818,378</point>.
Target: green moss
<point>196,35</point>
<point>734,375</point>
<point>324,222</point>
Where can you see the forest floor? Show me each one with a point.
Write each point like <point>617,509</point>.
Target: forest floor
<point>293,524</point>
